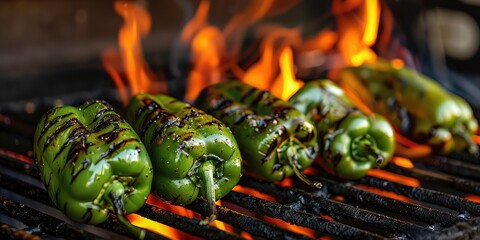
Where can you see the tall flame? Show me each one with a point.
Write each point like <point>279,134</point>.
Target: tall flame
<point>214,51</point>
<point>357,27</point>
<point>129,58</point>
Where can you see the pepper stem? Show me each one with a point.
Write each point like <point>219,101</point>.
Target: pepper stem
<point>206,172</point>
<point>364,149</point>
<point>472,147</point>
<point>114,195</point>
<point>292,160</point>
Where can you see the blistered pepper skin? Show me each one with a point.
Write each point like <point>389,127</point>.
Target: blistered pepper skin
<point>275,139</point>
<point>92,162</point>
<point>192,152</point>
<point>351,142</point>
<point>417,106</point>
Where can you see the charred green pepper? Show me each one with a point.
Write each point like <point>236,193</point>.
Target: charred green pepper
<point>193,154</point>
<point>417,106</point>
<point>275,139</point>
<point>92,163</point>
<point>351,142</point>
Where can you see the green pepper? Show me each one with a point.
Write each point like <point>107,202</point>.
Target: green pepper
<point>417,106</point>
<point>193,154</point>
<point>275,139</point>
<point>351,142</point>
<point>92,163</point>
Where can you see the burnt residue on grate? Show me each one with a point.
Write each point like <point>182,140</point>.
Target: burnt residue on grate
<point>44,223</point>
<point>160,215</point>
<point>458,183</point>
<point>188,225</point>
<point>426,195</point>
<point>363,215</point>
<point>453,166</point>
<point>246,223</point>
<point>289,214</point>
<point>414,211</point>
<point>340,212</point>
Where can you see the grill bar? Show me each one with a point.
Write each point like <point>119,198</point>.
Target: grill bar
<point>188,225</point>
<point>168,218</point>
<point>339,211</point>
<point>425,195</point>
<point>456,182</point>
<point>456,167</point>
<point>44,222</point>
<point>287,213</point>
<point>428,215</point>
<point>249,224</point>
<point>294,205</point>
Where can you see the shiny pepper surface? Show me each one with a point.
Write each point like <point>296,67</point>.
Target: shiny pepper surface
<point>276,140</point>
<point>416,105</point>
<point>193,154</point>
<point>351,143</point>
<point>92,162</point>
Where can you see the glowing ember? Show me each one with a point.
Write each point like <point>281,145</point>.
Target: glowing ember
<point>152,200</point>
<point>18,156</point>
<point>246,235</point>
<point>378,173</point>
<point>397,63</point>
<point>129,58</point>
<point>402,162</point>
<point>155,227</point>
<point>473,198</point>
<point>179,210</point>
<point>254,192</point>
<point>476,139</point>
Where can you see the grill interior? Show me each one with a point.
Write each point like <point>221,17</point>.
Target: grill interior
<point>382,205</point>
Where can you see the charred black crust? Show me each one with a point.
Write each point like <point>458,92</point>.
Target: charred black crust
<point>262,95</point>
<point>50,123</point>
<point>77,133</point>
<point>106,121</point>
<point>222,104</point>
<point>87,216</point>
<point>271,148</point>
<point>60,129</point>
<point>115,147</point>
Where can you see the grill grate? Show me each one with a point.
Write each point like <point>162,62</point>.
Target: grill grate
<point>437,209</point>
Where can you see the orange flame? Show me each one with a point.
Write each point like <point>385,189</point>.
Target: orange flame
<point>379,173</point>
<point>254,192</point>
<point>155,227</point>
<point>129,57</point>
<point>297,229</point>
<point>402,162</point>
<point>179,210</point>
<point>286,84</point>
<point>211,57</point>
<point>357,36</point>
<point>274,70</point>
<point>207,47</point>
